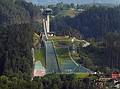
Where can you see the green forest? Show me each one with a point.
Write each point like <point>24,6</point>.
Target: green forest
<point>100,25</point>
<point>52,81</point>
<point>16,37</point>
<point>15,49</point>
<point>95,22</point>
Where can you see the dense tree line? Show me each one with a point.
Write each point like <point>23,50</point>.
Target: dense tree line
<point>33,10</point>
<point>11,13</point>
<point>16,42</point>
<point>112,50</point>
<point>48,82</point>
<point>15,49</point>
<point>17,19</point>
<point>95,22</point>
<point>18,11</point>
<point>99,23</point>
<point>104,54</point>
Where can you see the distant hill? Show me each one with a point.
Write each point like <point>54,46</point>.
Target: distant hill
<point>46,2</point>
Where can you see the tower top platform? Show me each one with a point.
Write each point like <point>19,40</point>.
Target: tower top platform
<point>47,11</point>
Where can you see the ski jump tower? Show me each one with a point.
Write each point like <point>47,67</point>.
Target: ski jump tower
<point>46,21</point>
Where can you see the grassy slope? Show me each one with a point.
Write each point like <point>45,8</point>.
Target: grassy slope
<point>40,55</point>
<point>61,42</point>
<point>62,54</point>
<point>82,75</point>
<point>70,13</point>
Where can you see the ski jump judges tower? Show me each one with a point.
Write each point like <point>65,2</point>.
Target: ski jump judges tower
<point>46,21</point>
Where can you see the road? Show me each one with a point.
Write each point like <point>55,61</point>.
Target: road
<point>51,61</point>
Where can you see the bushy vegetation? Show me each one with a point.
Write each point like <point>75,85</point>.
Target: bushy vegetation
<point>97,24</point>
<point>40,55</point>
<point>15,49</point>
<point>11,13</point>
<point>94,22</point>
<point>52,81</point>
<point>19,11</point>
<point>102,54</point>
<point>16,41</point>
<point>112,50</point>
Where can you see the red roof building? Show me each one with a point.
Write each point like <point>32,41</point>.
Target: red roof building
<point>115,75</point>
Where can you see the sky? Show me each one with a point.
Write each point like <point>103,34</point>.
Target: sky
<point>46,2</point>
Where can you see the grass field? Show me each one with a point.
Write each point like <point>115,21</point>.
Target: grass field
<point>40,55</point>
<point>71,13</point>
<point>60,38</point>
<point>62,54</point>
<point>81,75</point>
<point>62,43</point>
<point>66,40</point>
<point>66,57</point>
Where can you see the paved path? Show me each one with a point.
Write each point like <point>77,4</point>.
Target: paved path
<point>51,61</point>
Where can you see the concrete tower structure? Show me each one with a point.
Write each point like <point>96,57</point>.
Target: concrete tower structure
<point>45,29</point>
<point>48,23</point>
<point>47,14</point>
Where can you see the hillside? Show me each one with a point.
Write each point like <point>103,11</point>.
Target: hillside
<point>98,24</point>
<point>17,12</point>
<point>15,50</point>
<point>16,37</point>
<point>95,22</point>
<point>89,39</point>
<point>11,13</point>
